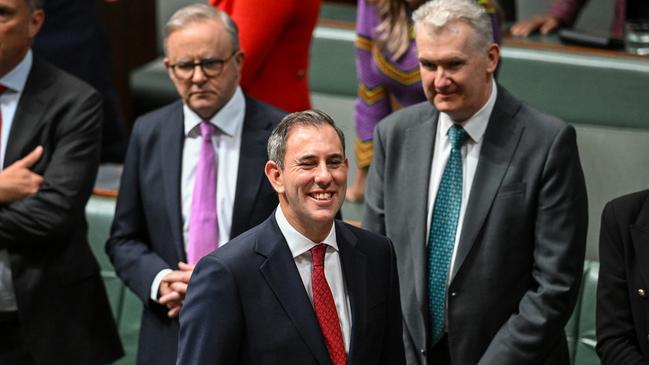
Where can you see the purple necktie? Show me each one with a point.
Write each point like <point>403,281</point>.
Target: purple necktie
<point>203,234</point>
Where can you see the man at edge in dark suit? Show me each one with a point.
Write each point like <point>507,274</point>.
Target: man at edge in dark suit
<point>53,305</point>
<point>622,290</point>
<point>302,287</point>
<point>193,176</point>
<point>485,201</point>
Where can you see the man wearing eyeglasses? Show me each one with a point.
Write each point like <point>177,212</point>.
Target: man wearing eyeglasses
<point>193,176</point>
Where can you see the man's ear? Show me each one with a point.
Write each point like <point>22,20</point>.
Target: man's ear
<point>36,21</point>
<point>239,58</point>
<point>170,71</point>
<point>493,56</point>
<point>274,175</point>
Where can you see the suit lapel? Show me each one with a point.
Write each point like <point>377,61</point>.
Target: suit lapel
<point>640,239</point>
<point>354,271</point>
<point>281,274</point>
<point>420,144</point>
<point>171,149</point>
<point>252,159</point>
<point>28,117</point>
<point>500,141</point>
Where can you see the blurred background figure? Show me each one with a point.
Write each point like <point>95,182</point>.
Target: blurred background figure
<point>387,70</point>
<point>53,304</point>
<point>276,41</point>
<point>73,38</point>
<point>564,13</point>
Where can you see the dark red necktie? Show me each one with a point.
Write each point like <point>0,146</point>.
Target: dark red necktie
<point>325,308</point>
<point>2,90</point>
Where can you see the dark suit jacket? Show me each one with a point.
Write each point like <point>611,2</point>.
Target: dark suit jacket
<point>146,235</point>
<point>521,249</point>
<point>246,303</point>
<point>61,300</point>
<point>622,310</point>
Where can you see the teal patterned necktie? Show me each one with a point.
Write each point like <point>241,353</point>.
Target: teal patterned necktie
<point>443,226</point>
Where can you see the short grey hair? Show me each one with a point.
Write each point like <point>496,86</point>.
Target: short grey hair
<point>278,138</point>
<point>200,13</point>
<point>35,4</point>
<point>437,14</point>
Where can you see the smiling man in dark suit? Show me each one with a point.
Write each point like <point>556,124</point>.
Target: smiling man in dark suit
<point>300,288</point>
<point>485,201</point>
<point>193,177</point>
<point>53,306</point>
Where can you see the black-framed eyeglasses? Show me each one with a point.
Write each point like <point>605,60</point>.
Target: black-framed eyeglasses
<point>211,67</point>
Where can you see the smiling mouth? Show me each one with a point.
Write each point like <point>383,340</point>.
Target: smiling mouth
<point>321,196</point>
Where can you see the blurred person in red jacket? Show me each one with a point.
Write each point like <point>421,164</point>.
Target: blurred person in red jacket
<point>276,41</point>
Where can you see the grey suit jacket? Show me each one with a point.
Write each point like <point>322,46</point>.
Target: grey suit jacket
<point>521,249</point>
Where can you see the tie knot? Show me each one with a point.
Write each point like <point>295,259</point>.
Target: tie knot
<point>457,135</point>
<point>207,130</point>
<point>318,253</point>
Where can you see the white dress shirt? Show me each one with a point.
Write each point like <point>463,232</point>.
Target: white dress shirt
<point>300,247</point>
<point>15,81</point>
<point>227,146</point>
<point>475,127</point>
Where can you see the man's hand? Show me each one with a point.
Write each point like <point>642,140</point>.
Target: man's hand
<point>17,181</point>
<point>543,23</point>
<point>173,288</point>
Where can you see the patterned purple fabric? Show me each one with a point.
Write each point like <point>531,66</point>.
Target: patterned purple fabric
<point>384,84</point>
<point>378,81</point>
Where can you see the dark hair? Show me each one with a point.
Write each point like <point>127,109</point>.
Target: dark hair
<point>277,141</point>
<point>35,4</point>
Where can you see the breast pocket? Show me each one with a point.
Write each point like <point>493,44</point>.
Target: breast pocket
<point>517,188</point>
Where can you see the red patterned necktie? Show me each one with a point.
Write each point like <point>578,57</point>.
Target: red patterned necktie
<point>2,90</point>
<point>325,308</point>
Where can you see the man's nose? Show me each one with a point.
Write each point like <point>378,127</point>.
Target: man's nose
<point>441,78</point>
<point>323,174</point>
<point>199,76</point>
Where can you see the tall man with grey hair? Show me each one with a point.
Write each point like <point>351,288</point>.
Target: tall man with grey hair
<point>53,305</point>
<point>485,201</point>
<point>193,175</point>
<point>302,287</point>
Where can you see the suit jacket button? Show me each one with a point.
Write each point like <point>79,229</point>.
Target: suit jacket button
<point>642,293</point>
<point>453,293</point>
<point>422,351</point>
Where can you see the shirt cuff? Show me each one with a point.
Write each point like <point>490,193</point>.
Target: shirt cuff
<point>155,286</point>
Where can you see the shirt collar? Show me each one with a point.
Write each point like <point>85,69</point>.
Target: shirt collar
<point>229,119</point>
<point>297,242</point>
<point>15,79</point>
<point>476,125</point>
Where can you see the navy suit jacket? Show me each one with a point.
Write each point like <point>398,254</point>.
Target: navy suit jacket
<point>246,303</point>
<point>64,313</point>
<point>146,235</point>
